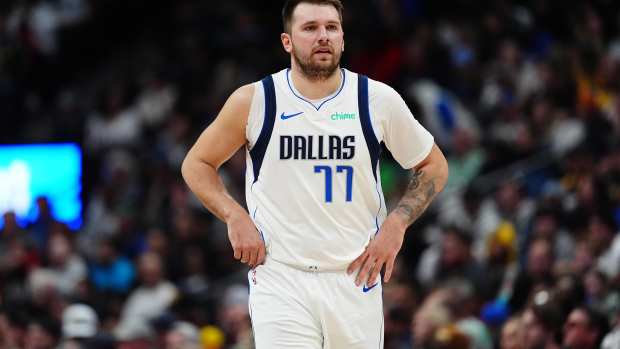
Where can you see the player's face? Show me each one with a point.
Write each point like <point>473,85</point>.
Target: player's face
<point>316,40</point>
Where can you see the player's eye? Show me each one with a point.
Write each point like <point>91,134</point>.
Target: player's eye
<point>309,28</point>
<point>332,27</point>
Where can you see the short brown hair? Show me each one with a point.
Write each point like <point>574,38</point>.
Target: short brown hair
<point>290,5</point>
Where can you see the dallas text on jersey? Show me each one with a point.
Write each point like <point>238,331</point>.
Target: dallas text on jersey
<point>317,147</point>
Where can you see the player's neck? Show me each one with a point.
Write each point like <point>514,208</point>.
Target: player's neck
<point>315,89</point>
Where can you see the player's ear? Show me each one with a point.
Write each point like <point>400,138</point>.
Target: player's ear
<point>286,42</point>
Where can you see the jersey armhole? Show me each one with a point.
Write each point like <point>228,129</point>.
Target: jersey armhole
<point>372,142</point>
<point>256,117</point>
<point>257,153</point>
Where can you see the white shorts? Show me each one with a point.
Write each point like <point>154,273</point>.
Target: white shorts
<point>291,308</point>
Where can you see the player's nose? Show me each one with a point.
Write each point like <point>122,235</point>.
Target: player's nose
<point>323,34</point>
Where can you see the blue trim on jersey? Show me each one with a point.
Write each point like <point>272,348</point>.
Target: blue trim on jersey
<point>374,147</point>
<point>258,151</point>
<point>254,217</point>
<point>380,205</point>
<point>344,77</point>
<point>369,135</point>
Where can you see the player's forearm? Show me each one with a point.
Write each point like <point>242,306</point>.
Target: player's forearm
<point>205,182</point>
<point>426,182</point>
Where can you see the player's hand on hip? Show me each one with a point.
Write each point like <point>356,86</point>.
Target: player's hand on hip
<point>380,252</point>
<point>247,243</point>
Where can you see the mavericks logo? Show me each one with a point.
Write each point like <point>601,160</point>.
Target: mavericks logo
<point>343,116</point>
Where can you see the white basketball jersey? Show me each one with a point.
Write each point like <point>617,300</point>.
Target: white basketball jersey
<point>312,181</point>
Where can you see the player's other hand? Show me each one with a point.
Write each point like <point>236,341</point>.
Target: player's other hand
<point>246,241</point>
<point>381,251</point>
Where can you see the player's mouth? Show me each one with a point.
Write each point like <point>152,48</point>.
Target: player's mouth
<point>323,50</point>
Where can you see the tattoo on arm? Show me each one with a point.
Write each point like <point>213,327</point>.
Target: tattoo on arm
<point>419,193</point>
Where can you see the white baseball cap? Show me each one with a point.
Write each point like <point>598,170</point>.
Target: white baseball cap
<point>79,321</point>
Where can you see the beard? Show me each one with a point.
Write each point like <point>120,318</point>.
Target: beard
<point>317,70</point>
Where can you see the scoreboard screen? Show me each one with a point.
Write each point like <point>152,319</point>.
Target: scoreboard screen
<point>32,171</point>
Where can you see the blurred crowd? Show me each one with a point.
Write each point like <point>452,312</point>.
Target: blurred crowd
<point>521,251</point>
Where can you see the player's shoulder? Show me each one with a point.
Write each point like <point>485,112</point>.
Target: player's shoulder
<point>379,89</point>
<point>246,93</point>
<point>238,104</point>
<point>243,95</point>
<point>381,92</point>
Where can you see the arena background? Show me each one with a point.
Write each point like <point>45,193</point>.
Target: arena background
<point>522,97</point>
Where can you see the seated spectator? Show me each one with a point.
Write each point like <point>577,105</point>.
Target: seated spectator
<point>65,268</point>
<point>612,339</point>
<point>111,271</point>
<point>183,335</point>
<point>584,329</point>
<point>152,298</point>
<point>450,337</point>
<point>541,323</point>
<point>456,260</point>
<point>432,315</point>
<point>512,335</point>
<point>79,324</point>
<point>537,274</point>
<point>42,332</point>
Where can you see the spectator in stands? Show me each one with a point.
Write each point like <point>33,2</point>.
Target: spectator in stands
<point>154,296</point>
<point>430,316</point>
<point>512,335</point>
<point>110,271</point>
<point>537,274</point>
<point>79,324</point>
<point>183,335</point>
<point>42,332</point>
<point>541,325</point>
<point>456,260</point>
<point>584,329</point>
<point>65,268</point>
<point>612,339</point>
<point>532,86</point>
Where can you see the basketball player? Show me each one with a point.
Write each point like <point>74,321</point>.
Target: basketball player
<point>316,233</point>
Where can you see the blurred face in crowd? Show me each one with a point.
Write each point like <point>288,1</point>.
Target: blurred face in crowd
<point>44,207</point>
<point>540,258</point>
<point>177,340</point>
<point>508,198</point>
<point>512,335</point>
<point>157,241</point>
<point>10,222</point>
<point>150,269</point>
<point>585,191</point>
<point>235,320</point>
<point>106,252</point>
<point>59,249</point>
<point>578,334</point>
<point>38,338</point>
<point>594,284</point>
<point>454,250</point>
<point>583,258</point>
<point>463,142</point>
<point>422,327</point>
<point>183,222</point>
<point>545,226</point>
<point>315,40</point>
<point>599,234</point>
<point>426,320</point>
<point>534,332</point>
<point>10,334</point>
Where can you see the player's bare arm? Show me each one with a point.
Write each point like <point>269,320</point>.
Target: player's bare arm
<point>217,143</point>
<point>427,179</point>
